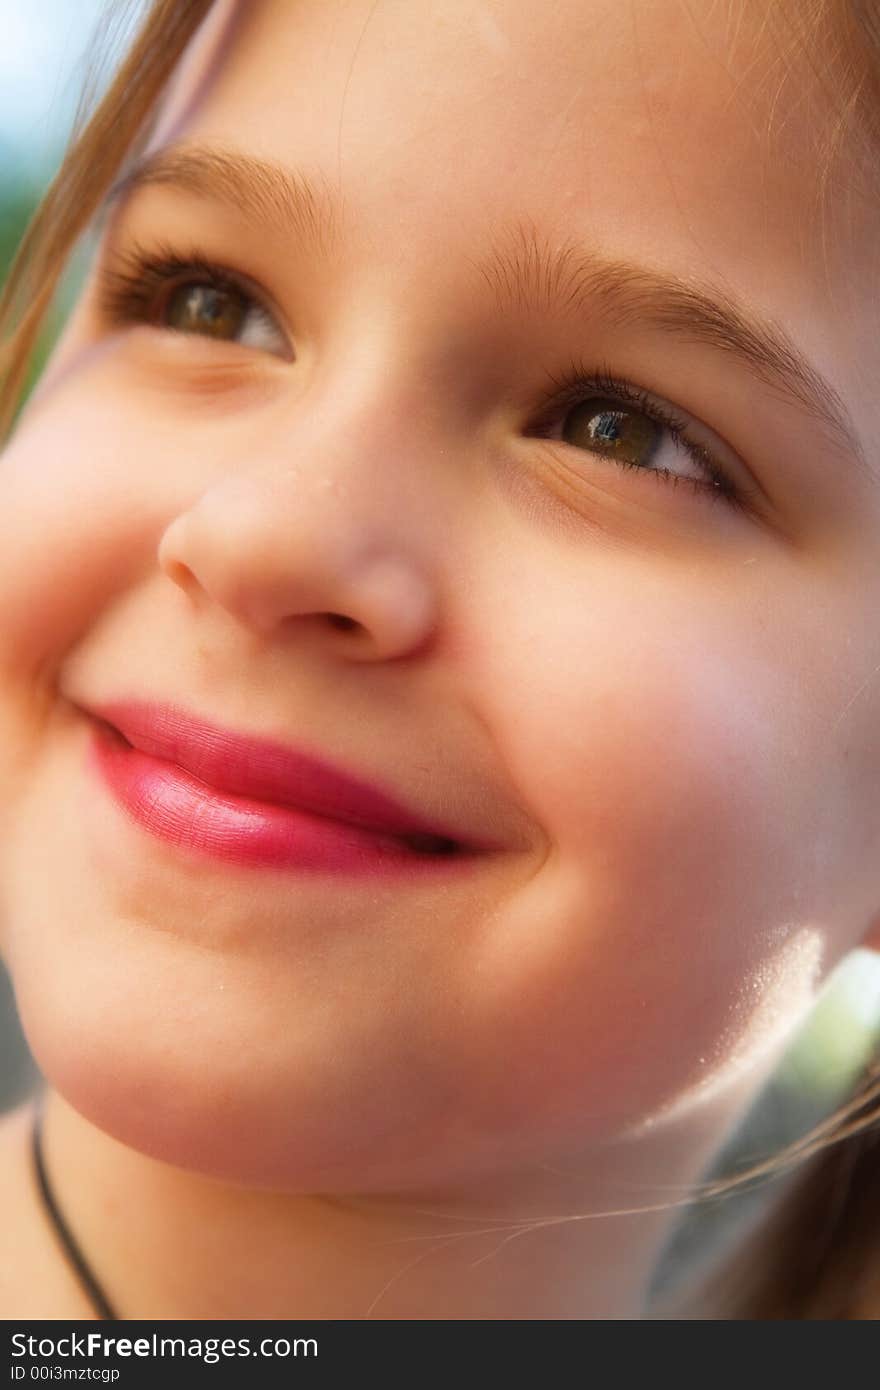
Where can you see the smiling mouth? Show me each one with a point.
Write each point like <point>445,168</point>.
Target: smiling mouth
<point>435,846</point>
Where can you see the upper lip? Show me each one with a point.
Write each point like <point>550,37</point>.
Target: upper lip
<point>271,771</point>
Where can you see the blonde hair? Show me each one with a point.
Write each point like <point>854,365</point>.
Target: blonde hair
<point>814,1257</point>
<point>98,144</point>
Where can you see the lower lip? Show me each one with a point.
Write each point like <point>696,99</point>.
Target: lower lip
<point>178,808</point>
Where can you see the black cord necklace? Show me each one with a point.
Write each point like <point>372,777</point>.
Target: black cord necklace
<point>99,1300</point>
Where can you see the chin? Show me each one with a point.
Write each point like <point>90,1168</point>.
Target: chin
<point>229,1126</point>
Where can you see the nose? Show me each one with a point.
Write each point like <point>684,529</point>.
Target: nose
<point>325,535</point>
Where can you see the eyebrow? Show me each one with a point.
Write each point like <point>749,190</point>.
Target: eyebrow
<point>522,271</point>
<point>270,196</point>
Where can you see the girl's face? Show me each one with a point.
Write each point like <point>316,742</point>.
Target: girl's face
<point>652,689</point>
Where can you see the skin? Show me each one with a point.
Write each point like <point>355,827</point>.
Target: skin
<point>668,709</point>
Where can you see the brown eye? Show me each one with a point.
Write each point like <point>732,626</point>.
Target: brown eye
<point>205,309</point>
<point>191,296</point>
<point>614,430</point>
<point>606,416</point>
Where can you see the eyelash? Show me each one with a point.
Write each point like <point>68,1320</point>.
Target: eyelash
<point>128,296</point>
<point>578,384</point>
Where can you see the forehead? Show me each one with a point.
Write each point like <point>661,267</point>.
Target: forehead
<point>670,129</point>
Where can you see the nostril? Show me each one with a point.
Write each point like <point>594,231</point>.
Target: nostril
<point>341,621</point>
<point>182,575</point>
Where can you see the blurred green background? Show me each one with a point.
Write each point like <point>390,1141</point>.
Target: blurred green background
<point>18,198</point>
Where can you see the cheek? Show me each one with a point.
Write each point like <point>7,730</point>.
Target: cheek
<point>79,530</point>
<point>672,928</point>
<point>77,523</point>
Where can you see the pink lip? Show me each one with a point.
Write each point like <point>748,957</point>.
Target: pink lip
<point>255,801</point>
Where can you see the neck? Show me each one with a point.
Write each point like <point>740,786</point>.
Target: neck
<point>168,1244</point>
